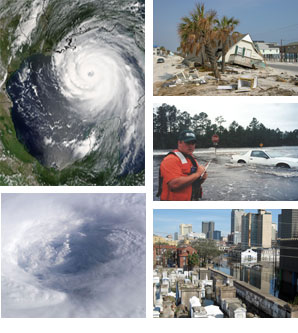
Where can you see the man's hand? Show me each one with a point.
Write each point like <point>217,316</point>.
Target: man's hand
<point>179,183</point>
<point>200,171</point>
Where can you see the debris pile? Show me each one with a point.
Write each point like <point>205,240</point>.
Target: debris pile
<point>236,80</point>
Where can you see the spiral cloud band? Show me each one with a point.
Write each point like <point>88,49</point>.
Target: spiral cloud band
<point>87,96</point>
<point>73,255</point>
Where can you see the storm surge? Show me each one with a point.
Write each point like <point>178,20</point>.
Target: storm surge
<point>79,96</point>
<point>73,256</point>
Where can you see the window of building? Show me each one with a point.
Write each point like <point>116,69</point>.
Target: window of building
<point>239,50</point>
<point>248,53</point>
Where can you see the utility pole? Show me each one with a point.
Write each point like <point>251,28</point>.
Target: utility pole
<point>282,55</point>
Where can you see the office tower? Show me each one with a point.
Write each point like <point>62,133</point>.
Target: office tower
<point>236,220</point>
<point>217,235</point>
<point>279,226</point>
<point>208,229</point>
<point>256,229</point>
<point>236,216</point>
<point>274,232</point>
<point>289,223</point>
<point>246,230</point>
<point>264,233</point>
<point>288,253</point>
<point>176,236</point>
<point>185,229</point>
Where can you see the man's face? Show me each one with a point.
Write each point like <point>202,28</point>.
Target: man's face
<point>186,147</point>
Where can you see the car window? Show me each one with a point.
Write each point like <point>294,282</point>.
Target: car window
<point>258,153</point>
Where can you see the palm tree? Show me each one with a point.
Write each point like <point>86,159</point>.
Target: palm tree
<point>224,28</point>
<point>197,32</point>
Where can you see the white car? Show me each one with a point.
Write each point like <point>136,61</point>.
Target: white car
<point>258,156</point>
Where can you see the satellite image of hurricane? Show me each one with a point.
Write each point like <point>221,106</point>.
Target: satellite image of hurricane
<point>72,92</point>
<point>73,255</point>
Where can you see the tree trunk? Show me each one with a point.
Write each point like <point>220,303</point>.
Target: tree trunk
<point>203,56</point>
<point>211,58</point>
<point>223,63</point>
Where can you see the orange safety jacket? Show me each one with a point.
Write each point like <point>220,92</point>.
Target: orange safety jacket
<point>175,165</point>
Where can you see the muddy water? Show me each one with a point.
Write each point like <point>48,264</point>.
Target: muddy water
<point>229,182</point>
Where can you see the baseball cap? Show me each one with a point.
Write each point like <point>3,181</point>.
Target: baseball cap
<point>187,136</point>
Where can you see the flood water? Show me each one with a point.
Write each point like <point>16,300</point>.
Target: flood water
<point>229,182</point>
<point>263,277</point>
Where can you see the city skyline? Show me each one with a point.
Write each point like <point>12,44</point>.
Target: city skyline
<point>262,19</point>
<point>167,221</point>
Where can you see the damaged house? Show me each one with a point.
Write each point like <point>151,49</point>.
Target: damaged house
<point>244,53</point>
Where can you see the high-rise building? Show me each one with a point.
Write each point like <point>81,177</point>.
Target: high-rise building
<point>289,223</point>
<point>246,230</point>
<point>236,220</point>
<point>256,230</point>
<point>208,229</point>
<point>274,232</point>
<point>176,236</point>
<point>236,237</point>
<point>264,233</point>
<point>279,226</point>
<point>185,229</point>
<point>216,234</point>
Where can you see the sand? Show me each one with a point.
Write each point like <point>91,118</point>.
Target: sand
<point>271,81</point>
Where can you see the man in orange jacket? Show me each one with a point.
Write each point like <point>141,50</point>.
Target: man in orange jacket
<point>180,172</point>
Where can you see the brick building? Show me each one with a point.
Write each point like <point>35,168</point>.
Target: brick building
<point>182,255</point>
<point>164,254</point>
<point>169,255</point>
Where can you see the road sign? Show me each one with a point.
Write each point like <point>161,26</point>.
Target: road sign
<point>215,138</point>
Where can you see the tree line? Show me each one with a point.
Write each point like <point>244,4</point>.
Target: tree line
<point>168,122</point>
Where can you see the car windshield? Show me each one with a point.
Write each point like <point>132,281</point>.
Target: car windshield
<point>269,155</point>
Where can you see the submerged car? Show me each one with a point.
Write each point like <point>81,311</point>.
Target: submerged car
<point>262,157</point>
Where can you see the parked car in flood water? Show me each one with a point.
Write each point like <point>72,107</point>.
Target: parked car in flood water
<point>259,156</point>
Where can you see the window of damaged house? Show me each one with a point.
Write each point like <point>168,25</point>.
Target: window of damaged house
<point>239,50</point>
<point>248,53</point>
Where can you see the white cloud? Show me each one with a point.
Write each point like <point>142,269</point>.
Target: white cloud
<point>277,115</point>
<point>73,255</point>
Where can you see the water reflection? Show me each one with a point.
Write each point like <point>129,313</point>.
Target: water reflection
<point>264,276</point>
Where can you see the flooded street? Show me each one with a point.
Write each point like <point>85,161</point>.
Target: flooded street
<point>229,182</point>
<point>264,276</point>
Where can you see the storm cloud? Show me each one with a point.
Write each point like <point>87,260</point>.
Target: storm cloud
<point>73,255</point>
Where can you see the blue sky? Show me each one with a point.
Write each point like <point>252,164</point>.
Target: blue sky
<point>269,20</point>
<point>166,221</point>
